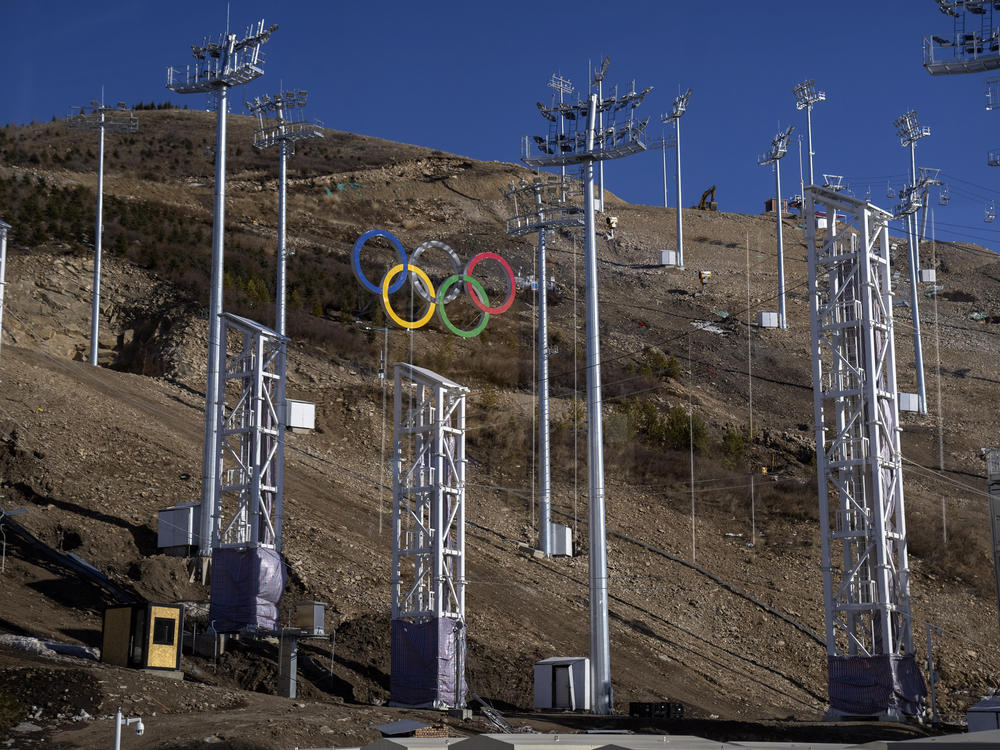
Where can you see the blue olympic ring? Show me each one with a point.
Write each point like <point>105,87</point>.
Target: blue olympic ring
<point>357,260</point>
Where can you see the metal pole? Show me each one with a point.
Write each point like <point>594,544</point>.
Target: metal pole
<point>209,509</point>
<point>562,139</point>
<point>664,149</point>
<point>781,248</point>
<point>118,728</point>
<point>809,128</point>
<point>3,271</point>
<point>914,248</point>
<point>95,312</point>
<point>600,125</point>
<point>680,207</point>
<point>282,248</point>
<point>545,493</point>
<point>931,677</point>
<point>600,652</point>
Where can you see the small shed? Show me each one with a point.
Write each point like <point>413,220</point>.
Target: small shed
<point>146,636</point>
<point>562,683</point>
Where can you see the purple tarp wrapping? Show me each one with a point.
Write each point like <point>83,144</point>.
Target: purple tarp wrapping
<point>875,685</point>
<point>425,662</point>
<point>247,583</point>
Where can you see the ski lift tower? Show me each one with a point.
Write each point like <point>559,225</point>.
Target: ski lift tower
<point>674,116</point>
<point>219,65</point>
<point>281,121</point>
<point>779,147</point>
<point>573,138</point>
<point>428,540</point>
<point>872,669</point>
<point>98,117</point>
<point>540,206</point>
<point>910,131</point>
<point>973,46</point>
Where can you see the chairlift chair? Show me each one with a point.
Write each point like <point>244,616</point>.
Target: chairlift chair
<point>944,197</point>
<point>991,212</point>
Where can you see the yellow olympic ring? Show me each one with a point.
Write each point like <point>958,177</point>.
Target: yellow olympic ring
<point>388,306</point>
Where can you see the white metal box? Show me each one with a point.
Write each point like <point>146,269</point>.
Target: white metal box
<point>300,415</point>
<point>985,715</point>
<point>927,276</point>
<point>562,540</point>
<point>562,683</point>
<point>908,402</point>
<point>178,526</point>
<point>668,257</point>
<point>310,616</point>
<point>767,319</point>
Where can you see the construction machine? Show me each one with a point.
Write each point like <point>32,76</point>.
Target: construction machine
<point>707,202</point>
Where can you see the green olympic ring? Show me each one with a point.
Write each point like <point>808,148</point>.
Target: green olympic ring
<point>442,292</point>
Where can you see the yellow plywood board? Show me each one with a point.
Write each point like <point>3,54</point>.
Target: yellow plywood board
<point>160,655</point>
<point>117,632</point>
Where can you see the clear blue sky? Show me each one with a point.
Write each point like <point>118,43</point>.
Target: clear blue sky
<point>464,77</point>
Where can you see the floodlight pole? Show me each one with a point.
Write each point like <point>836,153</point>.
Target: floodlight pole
<point>782,321</point>
<point>97,119</point>
<point>600,653</point>
<point>806,96</point>
<point>600,125</point>
<point>229,63</point>
<point>910,131</point>
<point>563,86</point>
<point>679,108</point>
<point>95,310</point>
<point>282,239</point>
<point>664,150</point>
<point>545,490</point>
<point>3,270</point>
<point>680,206</point>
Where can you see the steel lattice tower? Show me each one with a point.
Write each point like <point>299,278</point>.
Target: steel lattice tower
<point>866,587</point>
<point>428,541</point>
<point>251,442</point>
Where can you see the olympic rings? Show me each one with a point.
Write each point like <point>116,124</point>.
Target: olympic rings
<point>357,259</point>
<point>386,289</point>
<point>444,316</point>
<point>510,276</point>
<point>422,285</point>
<point>455,263</point>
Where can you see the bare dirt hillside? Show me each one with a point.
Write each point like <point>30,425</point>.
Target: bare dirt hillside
<point>701,612</point>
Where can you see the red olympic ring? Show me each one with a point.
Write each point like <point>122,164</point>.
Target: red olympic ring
<point>474,295</point>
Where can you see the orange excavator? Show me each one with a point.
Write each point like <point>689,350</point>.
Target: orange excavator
<point>707,202</point>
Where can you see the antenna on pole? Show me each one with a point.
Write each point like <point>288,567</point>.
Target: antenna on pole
<point>779,147</point>
<point>282,122</point>
<point>219,64</point>
<point>674,116</point>
<point>909,130</point>
<point>100,118</point>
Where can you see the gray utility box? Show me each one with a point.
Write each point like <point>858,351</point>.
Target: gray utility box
<point>668,257</point>
<point>908,402</point>
<point>562,540</point>
<point>310,617</point>
<point>927,275</point>
<point>767,319</point>
<point>562,683</point>
<point>177,528</point>
<point>985,715</point>
<point>299,415</point>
